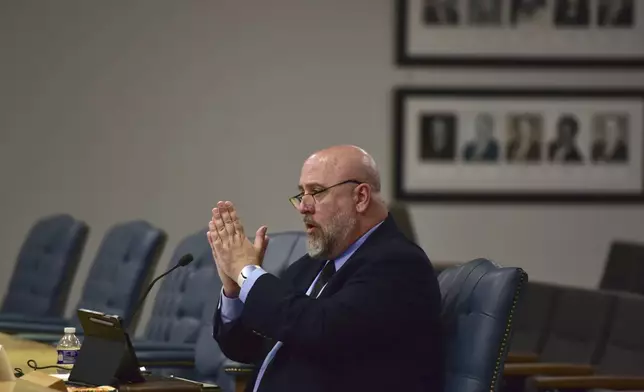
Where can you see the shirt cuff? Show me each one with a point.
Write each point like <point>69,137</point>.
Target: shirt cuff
<point>249,282</point>
<point>231,308</point>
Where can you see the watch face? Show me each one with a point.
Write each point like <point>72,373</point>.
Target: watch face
<point>247,270</point>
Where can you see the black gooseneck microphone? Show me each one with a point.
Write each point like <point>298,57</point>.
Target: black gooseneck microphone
<point>183,261</point>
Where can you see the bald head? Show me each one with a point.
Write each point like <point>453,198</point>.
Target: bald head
<point>337,211</point>
<point>348,162</point>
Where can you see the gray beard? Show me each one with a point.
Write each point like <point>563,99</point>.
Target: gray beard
<point>321,244</point>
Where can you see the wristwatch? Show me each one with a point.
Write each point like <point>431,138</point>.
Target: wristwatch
<point>245,273</point>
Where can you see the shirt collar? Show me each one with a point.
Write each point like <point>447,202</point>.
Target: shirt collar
<point>339,262</point>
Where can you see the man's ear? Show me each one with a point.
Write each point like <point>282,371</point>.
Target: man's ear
<point>362,197</point>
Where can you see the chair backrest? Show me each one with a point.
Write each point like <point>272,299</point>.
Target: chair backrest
<point>532,320</point>
<point>624,350</point>
<point>177,313</point>
<point>283,249</point>
<point>46,266</point>
<point>122,268</point>
<point>208,356</point>
<point>579,326</point>
<point>299,249</point>
<point>400,213</point>
<point>209,359</point>
<point>624,269</point>
<point>479,299</point>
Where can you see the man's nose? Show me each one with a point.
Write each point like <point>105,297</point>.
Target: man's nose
<point>306,208</point>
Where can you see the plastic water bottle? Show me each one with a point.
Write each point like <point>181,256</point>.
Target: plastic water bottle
<point>67,348</point>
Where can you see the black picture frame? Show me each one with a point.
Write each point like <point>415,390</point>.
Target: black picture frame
<point>403,57</point>
<point>402,94</point>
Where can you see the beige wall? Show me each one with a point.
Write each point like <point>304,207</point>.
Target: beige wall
<point>117,110</point>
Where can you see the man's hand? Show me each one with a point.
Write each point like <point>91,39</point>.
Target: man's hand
<point>231,288</point>
<point>231,248</point>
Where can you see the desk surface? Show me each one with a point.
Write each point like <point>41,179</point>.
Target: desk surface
<point>20,351</point>
<point>22,386</point>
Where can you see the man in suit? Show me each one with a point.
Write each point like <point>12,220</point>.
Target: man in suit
<point>359,312</point>
<point>572,13</point>
<point>610,139</point>
<point>485,12</point>
<point>438,137</point>
<point>564,147</point>
<point>615,13</point>
<point>440,12</point>
<point>530,13</point>
<point>484,147</point>
<point>524,141</point>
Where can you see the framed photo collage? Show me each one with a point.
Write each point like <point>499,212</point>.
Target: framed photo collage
<point>519,144</point>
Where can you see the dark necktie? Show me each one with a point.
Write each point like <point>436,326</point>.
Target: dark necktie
<point>325,275</point>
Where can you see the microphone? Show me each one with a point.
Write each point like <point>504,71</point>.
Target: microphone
<point>183,261</point>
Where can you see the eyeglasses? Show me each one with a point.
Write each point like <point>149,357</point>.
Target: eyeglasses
<point>297,199</point>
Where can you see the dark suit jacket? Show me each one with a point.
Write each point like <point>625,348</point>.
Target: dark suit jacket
<point>619,154</point>
<point>432,16</point>
<point>491,152</point>
<point>624,16</point>
<point>375,327</point>
<point>534,152</point>
<point>572,155</point>
<point>580,17</point>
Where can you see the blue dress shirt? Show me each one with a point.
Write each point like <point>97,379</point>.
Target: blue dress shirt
<point>231,308</point>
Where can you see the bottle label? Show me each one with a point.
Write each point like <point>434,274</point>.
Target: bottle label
<point>67,357</point>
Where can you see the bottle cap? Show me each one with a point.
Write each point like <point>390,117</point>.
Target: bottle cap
<point>70,330</point>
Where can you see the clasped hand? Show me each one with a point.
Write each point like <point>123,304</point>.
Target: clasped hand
<point>231,249</point>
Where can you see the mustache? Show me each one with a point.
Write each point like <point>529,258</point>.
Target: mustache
<point>309,221</point>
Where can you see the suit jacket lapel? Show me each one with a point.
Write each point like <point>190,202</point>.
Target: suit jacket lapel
<point>386,229</point>
<point>303,282</point>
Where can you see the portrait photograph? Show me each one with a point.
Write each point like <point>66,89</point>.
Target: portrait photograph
<point>616,13</point>
<point>564,148</point>
<point>485,12</point>
<point>527,13</point>
<point>572,13</point>
<point>438,136</point>
<point>441,12</point>
<point>484,146</point>
<point>524,138</point>
<point>610,138</point>
<point>514,33</point>
<point>518,145</point>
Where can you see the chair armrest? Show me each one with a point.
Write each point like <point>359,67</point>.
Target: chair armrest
<point>521,357</point>
<point>237,368</point>
<point>240,372</point>
<point>617,383</point>
<point>547,369</point>
<point>46,338</point>
<point>150,345</point>
<point>173,359</point>
<point>21,318</point>
<point>14,327</point>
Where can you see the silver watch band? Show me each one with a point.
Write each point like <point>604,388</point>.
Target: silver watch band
<point>245,273</point>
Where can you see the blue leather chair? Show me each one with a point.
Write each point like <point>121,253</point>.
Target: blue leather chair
<point>180,328</point>
<point>121,270</point>
<point>176,317</point>
<point>210,364</point>
<point>479,302</point>
<point>620,364</point>
<point>174,357</point>
<point>45,269</point>
<point>163,350</point>
<point>400,212</point>
<point>284,248</point>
